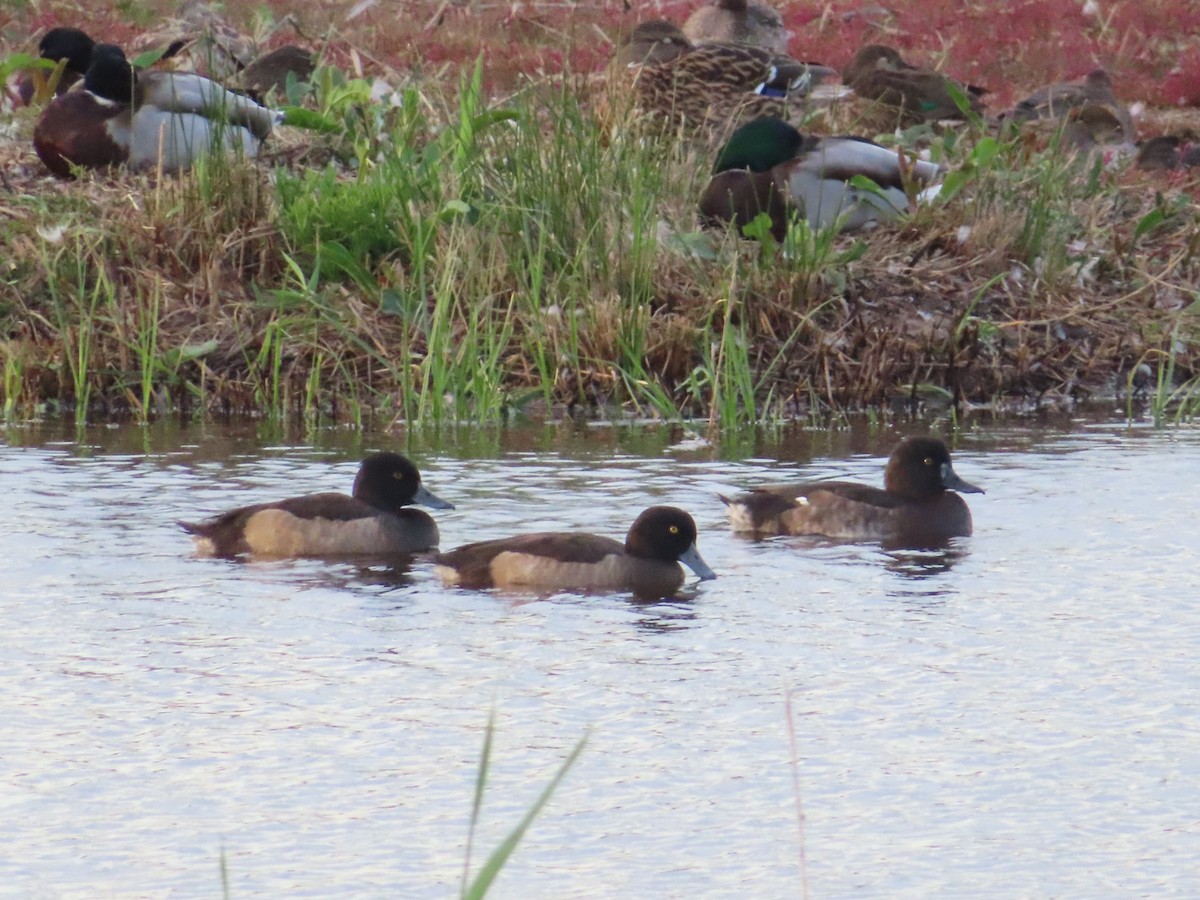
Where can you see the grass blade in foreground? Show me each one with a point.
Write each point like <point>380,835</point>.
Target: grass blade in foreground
<point>483,881</point>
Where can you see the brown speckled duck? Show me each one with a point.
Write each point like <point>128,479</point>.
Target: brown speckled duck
<point>879,73</point>
<point>661,73</point>
<point>1055,101</point>
<point>748,22</point>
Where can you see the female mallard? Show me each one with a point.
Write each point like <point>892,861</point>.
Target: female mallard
<point>662,73</point>
<point>879,73</point>
<point>769,167</point>
<point>647,563</point>
<point>1060,100</point>
<point>738,22</point>
<point>917,505</point>
<point>145,119</point>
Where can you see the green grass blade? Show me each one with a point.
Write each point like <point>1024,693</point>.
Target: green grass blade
<point>483,881</point>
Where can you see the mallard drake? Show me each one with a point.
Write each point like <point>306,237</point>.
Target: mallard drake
<point>647,563</point>
<point>879,73</point>
<point>738,22</point>
<point>769,167</point>
<point>916,506</point>
<point>1055,101</point>
<point>58,44</point>
<point>661,72</point>
<point>144,118</point>
<point>374,520</point>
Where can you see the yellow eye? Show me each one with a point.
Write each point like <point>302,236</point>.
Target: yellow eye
<point>397,475</point>
<point>674,529</point>
<point>929,460</point>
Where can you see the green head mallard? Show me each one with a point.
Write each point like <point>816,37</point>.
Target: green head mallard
<point>767,166</point>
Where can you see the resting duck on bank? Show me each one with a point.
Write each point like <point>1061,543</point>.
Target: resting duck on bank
<point>879,73</point>
<point>1054,101</point>
<point>769,167</point>
<point>658,71</point>
<point>123,116</point>
<point>916,506</point>
<point>747,22</point>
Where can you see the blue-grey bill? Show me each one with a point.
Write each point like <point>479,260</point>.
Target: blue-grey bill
<point>951,480</point>
<point>429,498</point>
<point>691,559</point>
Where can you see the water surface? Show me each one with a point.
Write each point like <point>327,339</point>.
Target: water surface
<point>1015,715</point>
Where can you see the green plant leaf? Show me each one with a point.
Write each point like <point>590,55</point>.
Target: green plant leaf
<point>299,117</point>
<point>483,881</point>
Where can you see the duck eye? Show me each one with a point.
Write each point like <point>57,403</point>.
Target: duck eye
<point>674,529</point>
<point>929,460</point>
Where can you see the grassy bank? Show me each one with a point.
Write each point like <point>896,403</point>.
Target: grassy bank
<point>449,253</point>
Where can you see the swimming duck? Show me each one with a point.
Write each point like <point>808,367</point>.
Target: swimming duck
<point>57,44</point>
<point>1054,101</point>
<point>374,520</point>
<point>646,564</point>
<point>662,73</point>
<point>738,22</point>
<point>768,166</point>
<point>917,505</point>
<point>879,73</point>
<point>139,118</point>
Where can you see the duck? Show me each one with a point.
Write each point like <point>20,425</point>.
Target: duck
<point>920,503</point>
<point>373,520</point>
<point>767,166</point>
<point>270,71</point>
<point>1168,152</point>
<point>203,40</point>
<point>144,119</point>
<point>1055,101</point>
<point>71,46</point>
<point>878,72</point>
<point>658,71</point>
<point>647,564</point>
<point>738,22</point>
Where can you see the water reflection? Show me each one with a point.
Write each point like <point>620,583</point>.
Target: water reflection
<point>167,707</point>
<point>922,563</point>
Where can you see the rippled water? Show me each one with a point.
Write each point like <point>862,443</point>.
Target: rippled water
<point>1014,717</point>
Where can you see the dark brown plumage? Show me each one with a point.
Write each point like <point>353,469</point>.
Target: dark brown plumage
<point>1168,152</point>
<point>879,73</point>
<point>647,563</point>
<point>917,506</point>
<point>374,520</point>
